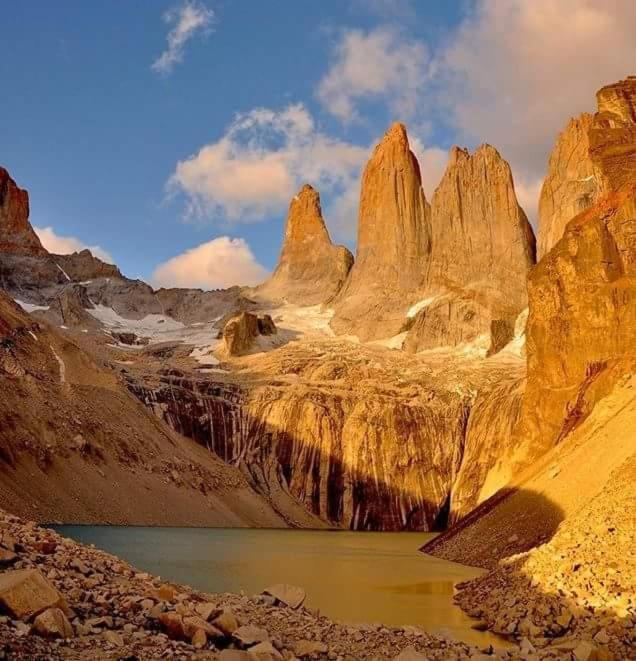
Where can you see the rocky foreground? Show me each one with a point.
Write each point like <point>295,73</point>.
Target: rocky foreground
<point>65,600</point>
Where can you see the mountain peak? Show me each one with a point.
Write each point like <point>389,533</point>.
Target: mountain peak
<point>311,269</point>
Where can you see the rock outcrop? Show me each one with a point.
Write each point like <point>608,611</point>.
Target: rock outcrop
<point>594,155</point>
<point>482,249</point>
<point>16,233</point>
<point>241,332</point>
<point>394,243</point>
<point>311,269</point>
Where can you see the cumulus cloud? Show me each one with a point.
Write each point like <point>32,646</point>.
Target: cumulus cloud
<point>261,161</point>
<point>188,19</point>
<point>217,264</point>
<point>378,64</point>
<point>65,245</point>
<point>516,71</point>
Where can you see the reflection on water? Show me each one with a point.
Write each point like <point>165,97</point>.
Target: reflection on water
<point>352,577</point>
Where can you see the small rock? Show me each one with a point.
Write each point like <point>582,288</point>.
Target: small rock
<point>585,651</point>
<point>207,610</point>
<point>305,648</point>
<point>172,624</point>
<point>194,623</point>
<point>113,638</point>
<point>265,650</point>
<point>235,655</point>
<point>199,639</point>
<point>601,637</point>
<point>411,654</point>
<point>250,635</point>
<point>226,622</point>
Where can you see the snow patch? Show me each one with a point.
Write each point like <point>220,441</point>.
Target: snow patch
<point>204,354</point>
<point>61,364</point>
<point>30,307</point>
<point>64,273</point>
<point>394,342</point>
<point>420,305</point>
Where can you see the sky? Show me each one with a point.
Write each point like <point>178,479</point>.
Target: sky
<point>169,136</point>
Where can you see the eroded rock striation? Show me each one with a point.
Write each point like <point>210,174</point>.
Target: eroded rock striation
<point>593,156</point>
<point>394,243</point>
<point>16,233</point>
<point>362,438</point>
<point>311,269</point>
<point>482,249</point>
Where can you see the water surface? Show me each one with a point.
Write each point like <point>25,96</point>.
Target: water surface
<point>348,576</point>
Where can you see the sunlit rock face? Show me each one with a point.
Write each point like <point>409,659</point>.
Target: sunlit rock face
<point>594,155</point>
<point>394,243</point>
<point>16,233</point>
<point>581,332</point>
<point>311,269</point>
<point>482,249</point>
<point>363,440</point>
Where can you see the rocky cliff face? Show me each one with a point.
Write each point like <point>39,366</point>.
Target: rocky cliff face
<point>394,242</point>
<point>582,320</point>
<point>482,249</point>
<point>310,269</point>
<point>363,439</point>
<point>593,156</point>
<point>16,233</point>
<point>571,185</point>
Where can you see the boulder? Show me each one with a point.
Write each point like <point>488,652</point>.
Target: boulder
<point>172,624</point>
<point>248,635</point>
<point>25,593</point>
<point>193,623</point>
<point>310,269</point>
<point>199,639</point>
<point>241,332</point>
<point>235,655</point>
<point>266,325</point>
<point>265,651</point>
<point>226,622</point>
<point>207,610</point>
<point>290,595</point>
<point>53,623</point>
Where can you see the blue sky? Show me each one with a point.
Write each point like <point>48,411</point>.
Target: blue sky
<point>149,150</point>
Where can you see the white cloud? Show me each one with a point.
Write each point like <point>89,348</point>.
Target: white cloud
<point>188,19</point>
<point>217,264</point>
<point>379,64</point>
<point>65,245</point>
<point>261,161</point>
<point>516,71</point>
